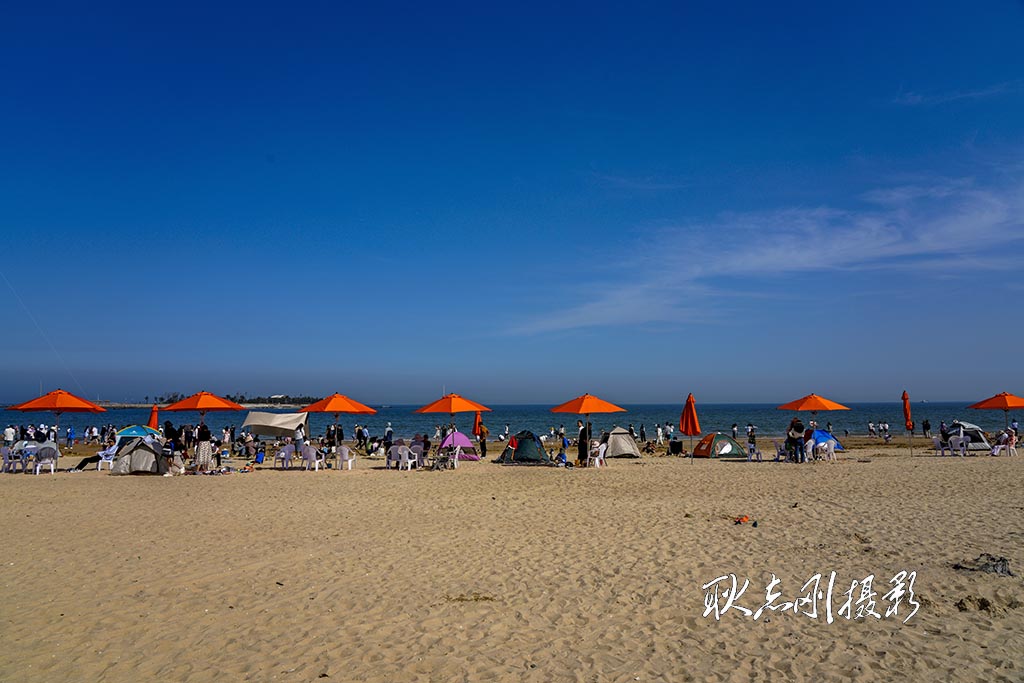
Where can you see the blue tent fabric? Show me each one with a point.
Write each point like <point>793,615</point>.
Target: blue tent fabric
<point>138,430</point>
<point>821,436</point>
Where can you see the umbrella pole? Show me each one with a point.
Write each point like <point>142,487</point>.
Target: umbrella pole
<point>691,449</point>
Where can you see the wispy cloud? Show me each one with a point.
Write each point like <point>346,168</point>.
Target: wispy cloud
<point>915,99</point>
<point>927,227</point>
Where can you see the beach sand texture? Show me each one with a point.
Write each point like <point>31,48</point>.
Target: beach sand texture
<point>507,573</point>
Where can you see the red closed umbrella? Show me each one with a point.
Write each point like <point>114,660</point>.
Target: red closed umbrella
<point>154,418</point>
<point>907,422</point>
<point>688,422</point>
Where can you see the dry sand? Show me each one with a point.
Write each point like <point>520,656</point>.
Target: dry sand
<point>508,573</point>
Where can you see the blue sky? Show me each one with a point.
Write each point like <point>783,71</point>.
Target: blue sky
<point>520,202</point>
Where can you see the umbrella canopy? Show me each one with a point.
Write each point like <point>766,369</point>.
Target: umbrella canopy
<point>451,404</point>
<point>57,402</point>
<point>587,404</point>
<point>154,418</point>
<point>477,422</point>
<point>138,430</point>
<point>1004,401</point>
<point>204,402</point>
<point>813,403</point>
<point>688,422</point>
<point>337,403</point>
<point>907,421</point>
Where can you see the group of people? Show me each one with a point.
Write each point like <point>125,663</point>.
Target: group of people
<point>801,445</point>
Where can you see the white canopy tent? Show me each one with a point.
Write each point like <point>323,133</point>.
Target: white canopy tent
<point>276,424</point>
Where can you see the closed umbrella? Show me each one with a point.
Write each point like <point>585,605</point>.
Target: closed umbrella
<point>907,421</point>
<point>688,422</point>
<point>154,417</point>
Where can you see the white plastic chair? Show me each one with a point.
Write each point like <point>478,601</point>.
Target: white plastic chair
<point>47,455</point>
<point>311,456</point>
<point>345,457</point>
<point>394,456</point>
<point>596,457</point>
<point>941,448</point>
<point>107,456</point>
<point>285,456</point>
<point>830,450</point>
<point>959,443</point>
<point>417,450</point>
<point>405,458</point>
<point>12,459</point>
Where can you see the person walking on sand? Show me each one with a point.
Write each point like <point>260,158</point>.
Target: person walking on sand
<point>643,433</point>
<point>583,444</point>
<point>661,436</point>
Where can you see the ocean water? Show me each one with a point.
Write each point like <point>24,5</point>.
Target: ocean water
<point>538,418</point>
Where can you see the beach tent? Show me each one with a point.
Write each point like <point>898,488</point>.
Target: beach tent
<point>621,445</point>
<point>978,440</point>
<point>821,436</point>
<point>462,441</point>
<point>276,424</point>
<point>528,451</point>
<point>718,445</point>
<point>139,455</point>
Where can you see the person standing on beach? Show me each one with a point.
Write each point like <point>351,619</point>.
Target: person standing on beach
<point>1014,427</point>
<point>926,428</point>
<point>484,432</point>
<point>643,433</point>
<point>583,445</point>
<point>735,431</point>
<point>204,449</point>
<point>661,436</point>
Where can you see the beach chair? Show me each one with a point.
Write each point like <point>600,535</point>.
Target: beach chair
<point>312,456</point>
<point>47,455</point>
<point>959,443</point>
<point>285,456</point>
<point>596,457</point>
<point>780,451</point>
<point>406,458</point>
<point>13,459</point>
<point>107,455</point>
<point>393,456</point>
<point>941,448</point>
<point>417,450</point>
<point>345,457</point>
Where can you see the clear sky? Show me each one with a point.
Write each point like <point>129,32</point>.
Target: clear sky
<point>520,202</point>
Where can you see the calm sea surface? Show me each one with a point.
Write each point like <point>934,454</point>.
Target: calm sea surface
<point>538,418</point>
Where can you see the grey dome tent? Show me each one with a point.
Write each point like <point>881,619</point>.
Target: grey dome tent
<point>138,455</point>
<point>621,445</point>
<point>528,451</point>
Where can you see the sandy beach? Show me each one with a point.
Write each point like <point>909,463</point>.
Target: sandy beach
<point>511,573</point>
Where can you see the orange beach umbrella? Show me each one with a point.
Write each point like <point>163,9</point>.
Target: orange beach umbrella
<point>154,417</point>
<point>907,421</point>
<point>813,403</point>
<point>1004,401</point>
<point>688,422</point>
<point>587,404</point>
<point>57,402</point>
<point>451,404</point>
<point>477,422</point>
<point>338,404</point>
<point>204,402</point>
